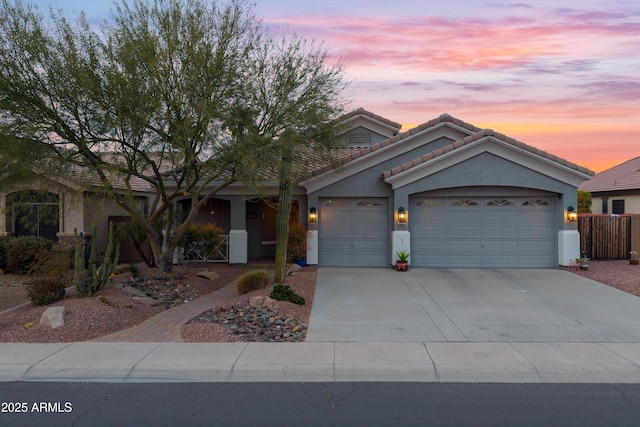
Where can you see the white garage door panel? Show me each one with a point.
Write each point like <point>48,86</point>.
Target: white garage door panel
<point>353,232</point>
<point>482,232</point>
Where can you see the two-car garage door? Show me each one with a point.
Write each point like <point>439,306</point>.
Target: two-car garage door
<point>482,232</point>
<point>469,231</point>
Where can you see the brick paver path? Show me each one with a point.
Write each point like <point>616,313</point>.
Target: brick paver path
<point>166,326</point>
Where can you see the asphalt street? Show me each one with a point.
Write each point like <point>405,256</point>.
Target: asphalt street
<point>318,404</point>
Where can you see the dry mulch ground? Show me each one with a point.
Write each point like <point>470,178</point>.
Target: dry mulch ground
<point>280,321</point>
<point>90,318</point>
<point>618,274</point>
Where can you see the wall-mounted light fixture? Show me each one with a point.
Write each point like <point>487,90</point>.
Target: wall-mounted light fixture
<point>402,215</point>
<point>313,215</point>
<point>572,214</point>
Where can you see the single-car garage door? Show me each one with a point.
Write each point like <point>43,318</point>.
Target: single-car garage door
<point>482,232</point>
<point>353,232</point>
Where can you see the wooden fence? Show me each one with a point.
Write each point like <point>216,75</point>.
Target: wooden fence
<point>609,236</point>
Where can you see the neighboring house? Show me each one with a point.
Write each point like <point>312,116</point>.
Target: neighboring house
<point>57,205</point>
<point>450,193</point>
<point>616,190</point>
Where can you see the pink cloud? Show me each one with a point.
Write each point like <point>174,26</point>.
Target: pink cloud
<point>445,44</point>
<point>555,78</point>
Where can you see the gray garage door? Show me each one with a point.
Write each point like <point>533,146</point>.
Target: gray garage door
<point>353,232</point>
<point>482,232</point>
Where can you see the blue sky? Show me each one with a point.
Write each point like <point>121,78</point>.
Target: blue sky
<point>561,75</point>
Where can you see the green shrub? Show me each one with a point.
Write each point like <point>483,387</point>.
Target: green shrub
<point>134,269</point>
<point>24,252</point>
<point>56,262</point>
<point>201,241</point>
<point>4,241</point>
<point>45,290</point>
<point>285,293</point>
<point>296,242</point>
<point>251,281</point>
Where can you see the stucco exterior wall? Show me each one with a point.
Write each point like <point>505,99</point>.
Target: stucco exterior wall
<point>368,183</point>
<point>631,202</point>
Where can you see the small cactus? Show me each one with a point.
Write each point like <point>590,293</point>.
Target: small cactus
<point>90,280</point>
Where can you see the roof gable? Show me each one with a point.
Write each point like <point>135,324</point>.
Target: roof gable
<point>366,119</point>
<point>356,160</point>
<point>625,176</point>
<point>486,141</point>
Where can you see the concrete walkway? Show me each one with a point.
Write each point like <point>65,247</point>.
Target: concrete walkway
<point>167,325</point>
<point>487,326</point>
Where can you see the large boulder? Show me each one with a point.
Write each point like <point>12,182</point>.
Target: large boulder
<point>53,317</point>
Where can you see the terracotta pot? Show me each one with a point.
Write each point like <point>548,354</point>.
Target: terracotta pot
<point>402,265</point>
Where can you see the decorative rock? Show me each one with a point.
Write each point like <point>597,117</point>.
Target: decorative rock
<point>261,301</point>
<point>294,267</point>
<point>209,275</point>
<point>133,292</point>
<point>255,323</point>
<point>53,317</point>
<point>145,300</point>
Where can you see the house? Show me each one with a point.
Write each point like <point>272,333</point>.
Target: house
<point>616,190</point>
<point>54,206</point>
<point>450,193</point>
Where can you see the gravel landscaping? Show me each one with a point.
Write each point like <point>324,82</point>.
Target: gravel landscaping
<point>618,274</point>
<point>90,318</point>
<point>93,317</point>
<point>278,321</point>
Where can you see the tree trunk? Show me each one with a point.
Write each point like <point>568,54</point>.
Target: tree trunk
<point>282,216</point>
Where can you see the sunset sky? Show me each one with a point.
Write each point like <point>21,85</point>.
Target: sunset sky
<point>561,75</point>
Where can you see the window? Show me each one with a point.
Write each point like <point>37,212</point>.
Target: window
<point>536,202</point>
<point>336,204</point>
<point>617,206</point>
<point>429,203</point>
<point>464,202</point>
<point>605,205</point>
<point>369,203</point>
<point>500,202</point>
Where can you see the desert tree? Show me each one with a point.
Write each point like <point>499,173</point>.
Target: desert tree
<point>145,101</point>
<point>293,100</point>
<point>584,201</point>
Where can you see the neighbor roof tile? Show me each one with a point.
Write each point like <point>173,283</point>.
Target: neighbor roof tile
<point>625,176</point>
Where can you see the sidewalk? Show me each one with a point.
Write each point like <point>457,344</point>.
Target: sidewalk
<point>153,352</point>
<point>322,362</point>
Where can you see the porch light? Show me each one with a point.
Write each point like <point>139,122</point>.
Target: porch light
<point>402,215</point>
<point>313,215</point>
<point>572,214</point>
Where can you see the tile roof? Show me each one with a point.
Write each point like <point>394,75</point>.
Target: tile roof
<point>479,134</point>
<point>625,176</point>
<point>353,153</point>
<point>362,112</point>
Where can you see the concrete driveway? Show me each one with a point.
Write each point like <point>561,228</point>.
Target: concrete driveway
<point>469,305</point>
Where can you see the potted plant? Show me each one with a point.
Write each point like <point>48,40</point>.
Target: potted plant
<point>634,258</point>
<point>402,264</point>
<point>297,244</point>
<point>583,262</point>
